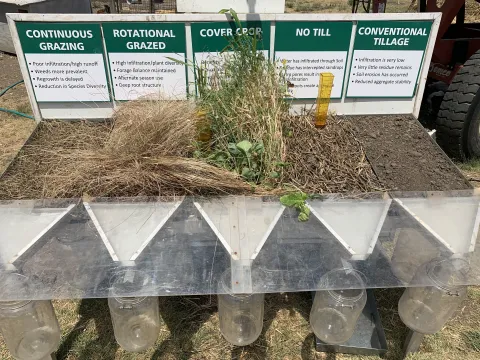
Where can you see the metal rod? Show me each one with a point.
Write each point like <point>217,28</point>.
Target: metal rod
<point>412,342</point>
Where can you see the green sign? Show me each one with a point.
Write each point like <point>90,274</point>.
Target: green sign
<point>65,61</point>
<point>392,35</point>
<point>312,36</point>
<point>309,48</point>
<point>146,59</point>
<point>65,38</point>
<point>387,58</point>
<point>215,36</point>
<point>151,37</point>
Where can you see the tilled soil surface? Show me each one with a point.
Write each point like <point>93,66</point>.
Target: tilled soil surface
<point>403,155</point>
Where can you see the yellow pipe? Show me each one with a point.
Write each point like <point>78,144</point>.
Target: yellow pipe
<point>323,100</point>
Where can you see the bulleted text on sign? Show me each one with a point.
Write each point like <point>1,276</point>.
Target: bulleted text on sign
<point>146,60</point>
<point>387,58</point>
<point>65,61</point>
<point>307,49</point>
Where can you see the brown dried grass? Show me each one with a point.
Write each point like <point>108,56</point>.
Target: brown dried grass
<point>142,153</point>
<point>154,128</point>
<point>328,160</point>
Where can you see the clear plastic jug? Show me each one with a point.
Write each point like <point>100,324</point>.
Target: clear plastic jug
<point>136,320</point>
<point>241,315</point>
<point>426,309</point>
<point>30,328</point>
<point>334,313</point>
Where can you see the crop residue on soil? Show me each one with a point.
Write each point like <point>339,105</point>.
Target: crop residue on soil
<point>328,160</point>
<point>404,156</point>
<point>320,161</point>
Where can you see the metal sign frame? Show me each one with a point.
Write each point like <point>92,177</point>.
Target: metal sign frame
<point>342,106</point>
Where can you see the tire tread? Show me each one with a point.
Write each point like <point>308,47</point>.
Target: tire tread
<point>453,117</point>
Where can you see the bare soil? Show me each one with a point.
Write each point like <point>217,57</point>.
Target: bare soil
<point>403,155</point>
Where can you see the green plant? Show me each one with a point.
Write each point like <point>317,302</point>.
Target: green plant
<point>244,158</point>
<point>243,101</point>
<point>247,158</point>
<point>297,200</point>
<point>246,105</point>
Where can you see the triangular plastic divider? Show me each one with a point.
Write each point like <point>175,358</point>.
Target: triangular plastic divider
<point>453,221</point>
<point>356,224</point>
<point>22,226</point>
<point>127,228</point>
<point>185,256</point>
<point>70,260</point>
<point>242,224</point>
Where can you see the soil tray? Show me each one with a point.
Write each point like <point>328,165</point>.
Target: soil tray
<point>401,153</point>
<point>404,156</point>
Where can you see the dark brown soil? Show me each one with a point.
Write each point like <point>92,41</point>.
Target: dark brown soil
<point>403,155</point>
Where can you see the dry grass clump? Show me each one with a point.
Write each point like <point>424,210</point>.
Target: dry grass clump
<point>327,160</point>
<point>140,154</point>
<point>154,128</point>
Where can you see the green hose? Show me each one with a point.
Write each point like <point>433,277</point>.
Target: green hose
<point>9,87</point>
<point>14,112</point>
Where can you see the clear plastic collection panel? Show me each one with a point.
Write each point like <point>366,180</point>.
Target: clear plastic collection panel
<point>71,248</point>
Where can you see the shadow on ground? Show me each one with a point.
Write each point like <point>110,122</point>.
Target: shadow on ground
<point>99,343</point>
<point>191,331</point>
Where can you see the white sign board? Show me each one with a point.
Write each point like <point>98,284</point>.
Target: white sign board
<point>65,61</point>
<point>80,66</point>
<point>387,57</point>
<point>308,49</point>
<point>145,59</point>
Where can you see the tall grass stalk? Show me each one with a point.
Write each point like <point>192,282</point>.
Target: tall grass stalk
<point>244,100</point>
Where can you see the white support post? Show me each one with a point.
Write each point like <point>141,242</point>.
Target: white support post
<point>113,6</point>
<point>241,269</point>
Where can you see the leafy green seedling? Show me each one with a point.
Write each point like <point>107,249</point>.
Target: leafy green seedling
<point>297,200</point>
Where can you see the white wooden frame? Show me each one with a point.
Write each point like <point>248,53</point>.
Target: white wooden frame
<point>350,106</point>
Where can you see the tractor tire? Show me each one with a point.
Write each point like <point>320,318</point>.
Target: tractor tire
<point>432,99</point>
<point>458,121</point>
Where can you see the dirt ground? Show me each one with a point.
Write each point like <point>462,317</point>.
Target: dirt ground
<point>14,130</point>
<point>403,155</point>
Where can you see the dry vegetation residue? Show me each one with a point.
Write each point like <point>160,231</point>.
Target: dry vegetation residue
<point>327,160</point>
<point>156,147</point>
<point>143,153</point>
<point>472,11</point>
